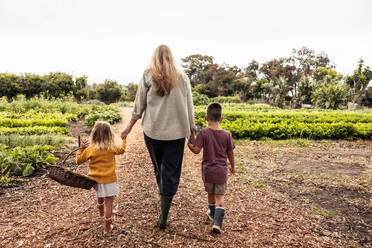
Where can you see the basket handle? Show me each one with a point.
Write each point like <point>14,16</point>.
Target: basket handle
<point>68,155</point>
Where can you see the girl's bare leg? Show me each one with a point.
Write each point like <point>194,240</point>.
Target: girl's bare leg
<point>108,213</point>
<point>101,206</point>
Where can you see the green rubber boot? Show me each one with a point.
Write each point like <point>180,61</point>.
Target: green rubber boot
<point>166,202</point>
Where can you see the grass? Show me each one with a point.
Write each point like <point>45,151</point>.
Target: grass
<point>258,183</point>
<point>325,212</point>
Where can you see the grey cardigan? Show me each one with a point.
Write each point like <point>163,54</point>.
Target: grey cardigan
<point>165,118</point>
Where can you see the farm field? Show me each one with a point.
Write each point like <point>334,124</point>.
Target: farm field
<point>263,121</point>
<point>296,192</point>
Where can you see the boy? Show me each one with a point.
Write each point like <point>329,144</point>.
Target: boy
<point>218,145</point>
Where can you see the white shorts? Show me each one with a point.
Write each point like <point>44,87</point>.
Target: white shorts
<point>107,189</point>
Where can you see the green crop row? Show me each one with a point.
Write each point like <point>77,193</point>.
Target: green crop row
<point>24,161</point>
<point>242,128</point>
<point>33,130</point>
<point>39,104</point>
<point>247,122</point>
<point>32,115</point>
<point>33,122</point>
<point>14,140</point>
<point>242,107</point>
<point>289,115</point>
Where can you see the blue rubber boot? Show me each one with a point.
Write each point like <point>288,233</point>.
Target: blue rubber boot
<point>217,221</point>
<point>211,210</point>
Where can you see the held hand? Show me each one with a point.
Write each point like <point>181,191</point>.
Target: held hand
<point>232,170</point>
<point>192,138</point>
<point>84,143</point>
<point>125,133</point>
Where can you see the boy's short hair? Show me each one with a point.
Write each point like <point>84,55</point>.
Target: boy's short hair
<point>214,112</point>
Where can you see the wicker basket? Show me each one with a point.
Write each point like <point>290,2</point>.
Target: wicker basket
<point>69,178</point>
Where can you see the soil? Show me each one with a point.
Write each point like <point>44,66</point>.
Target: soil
<point>43,213</point>
<point>354,219</point>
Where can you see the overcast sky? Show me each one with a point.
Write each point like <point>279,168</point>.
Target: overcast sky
<point>116,39</point>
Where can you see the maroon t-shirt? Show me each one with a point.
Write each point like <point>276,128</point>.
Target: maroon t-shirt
<point>215,144</point>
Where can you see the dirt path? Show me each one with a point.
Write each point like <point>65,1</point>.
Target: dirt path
<point>46,214</point>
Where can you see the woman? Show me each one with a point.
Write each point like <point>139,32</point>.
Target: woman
<point>164,98</point>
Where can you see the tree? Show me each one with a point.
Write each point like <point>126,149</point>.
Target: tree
<point>108,92</point>
<point>367,100</point>
<point>359,82</point>
<point>9,86</point>
<point>223,79</point>
<point>195,67</point>
<point>280,91</point>
<point>319,74</point>
<point>306,61</point>
<point>276,68</point>
<point>30,85</point>
<point>80,90</point>
<point>262,89</point>
<point>130,92</point>
<point>58,84</point>
<point>305,88</point>
<point>251,71</point>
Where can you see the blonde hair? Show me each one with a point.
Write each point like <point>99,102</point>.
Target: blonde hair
<point>163,70</point>
<point>102,136</point>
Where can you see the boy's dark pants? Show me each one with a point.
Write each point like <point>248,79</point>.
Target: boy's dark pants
<point>166,156</point>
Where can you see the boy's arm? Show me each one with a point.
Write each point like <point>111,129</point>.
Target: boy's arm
<point>230,155</point>
<point>197,145</point>
<point>193,148</point>
<point>120,149</point>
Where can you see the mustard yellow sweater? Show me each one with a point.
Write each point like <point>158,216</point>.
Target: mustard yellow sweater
<point>102,163</point>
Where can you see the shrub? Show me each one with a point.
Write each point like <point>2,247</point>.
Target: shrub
<point>109,92</point>
<point>199,99</point>
<point>331,95</point>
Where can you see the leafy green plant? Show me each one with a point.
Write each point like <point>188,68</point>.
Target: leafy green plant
<point>24,161</point>
<point>103,113</point>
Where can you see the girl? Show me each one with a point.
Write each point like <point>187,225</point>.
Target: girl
<point>102,165</point>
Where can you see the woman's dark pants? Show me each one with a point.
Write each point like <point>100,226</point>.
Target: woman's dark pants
<point>166,156</point>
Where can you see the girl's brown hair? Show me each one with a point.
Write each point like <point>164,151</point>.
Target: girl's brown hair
<point>163,70</point>
<point>102,136</point>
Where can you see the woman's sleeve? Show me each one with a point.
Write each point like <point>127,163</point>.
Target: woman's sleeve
<point>141,99</point>
<point>190,105</point>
